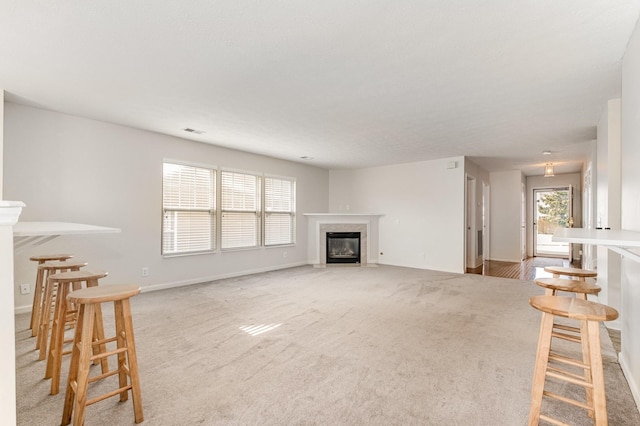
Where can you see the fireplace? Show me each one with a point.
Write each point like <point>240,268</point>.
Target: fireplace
<point>343,247</point>
<point>319,224</point>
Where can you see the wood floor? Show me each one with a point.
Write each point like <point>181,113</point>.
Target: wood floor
<point>528,269</point>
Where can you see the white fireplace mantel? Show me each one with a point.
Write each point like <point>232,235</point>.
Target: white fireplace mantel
<point>319,223</point>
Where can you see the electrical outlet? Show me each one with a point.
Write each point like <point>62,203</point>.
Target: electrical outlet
<point>145,272</point>
<point>25,289</point>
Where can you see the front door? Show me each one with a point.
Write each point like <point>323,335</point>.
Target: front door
<point>552,210</point>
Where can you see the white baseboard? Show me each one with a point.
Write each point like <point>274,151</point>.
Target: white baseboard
<point>634,386</point>
<point>163,286</point>
<point>505,260</point>
<point>614,325</point>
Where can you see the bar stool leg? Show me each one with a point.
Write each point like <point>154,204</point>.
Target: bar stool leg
<point>597,374</point>
<point>76,395</point>
<point>57,336</point>
<point>542,359</point>
<point>45,317</point>
<point>127,324</point>
<point>98,336</point>
<point>586,359</point>
<point>37,302</point>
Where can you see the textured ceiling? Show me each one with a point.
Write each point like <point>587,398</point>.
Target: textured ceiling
<point>350,83</point>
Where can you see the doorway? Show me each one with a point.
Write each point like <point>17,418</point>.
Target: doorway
<point>552,210</point>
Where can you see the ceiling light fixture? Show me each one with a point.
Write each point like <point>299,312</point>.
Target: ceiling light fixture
<point>546,152</point>
<point>548,170</point>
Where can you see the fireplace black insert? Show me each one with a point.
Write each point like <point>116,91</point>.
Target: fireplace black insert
<point>343,247</point>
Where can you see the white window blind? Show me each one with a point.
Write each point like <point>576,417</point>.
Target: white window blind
<point>188,203</point>
<point>240,208</point>
<point>279,206</point>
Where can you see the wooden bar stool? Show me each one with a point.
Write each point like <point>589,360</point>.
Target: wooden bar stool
<point>88,300</point>
<point>580,274</point>
<point>65,316</point>
<point>48,297</point>
<point>580,288</point>
<point>37,291</point>
<point>589,314</point>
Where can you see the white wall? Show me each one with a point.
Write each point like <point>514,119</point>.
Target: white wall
<point>7,322</point>
<point>589,204</point>
<point>506,215</point>
<point>608,203</point>
<point>423,207</point>
<point>608,156</point>
<point>557,181</point>
<point>71,169</point>
<point>630,355</point>
<point>1,138</point>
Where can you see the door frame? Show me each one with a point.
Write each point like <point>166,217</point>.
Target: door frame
<point>569,189</point>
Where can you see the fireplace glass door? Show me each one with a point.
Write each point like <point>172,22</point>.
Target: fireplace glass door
<point>343,247</point>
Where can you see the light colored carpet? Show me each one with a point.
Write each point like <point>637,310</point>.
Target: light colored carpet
<point>348,346</point>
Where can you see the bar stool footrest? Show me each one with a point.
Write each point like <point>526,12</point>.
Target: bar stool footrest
<point>108,354</point>
<point>569,379</point>
<point>567,328</point>
<point>568,361</point>
<point>108,395</point>
<point>567,337</point>
<point>553,421</point>
<point>567,373</point>
<point>567,400</point>
<point>102,376</point>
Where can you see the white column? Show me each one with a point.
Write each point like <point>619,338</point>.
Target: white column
<point>9,213</point>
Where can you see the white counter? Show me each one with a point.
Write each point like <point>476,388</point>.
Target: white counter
<point>619,241</point>
<point>36,233</point>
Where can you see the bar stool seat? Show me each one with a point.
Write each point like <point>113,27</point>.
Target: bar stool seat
<point>580,274</point>
<point>37,291</point>
<point>65,316</point>
<point>548,363</point>
<point>88,300</point>
<point>48,295</point>
<point>554,285</point>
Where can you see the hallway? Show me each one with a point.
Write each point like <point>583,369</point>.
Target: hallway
<point>529,269</point>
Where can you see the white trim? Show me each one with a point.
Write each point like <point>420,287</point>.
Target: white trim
<point>201,280</point>
<point>189,163</point>
<point>342,214</point>
<point>10,212</point>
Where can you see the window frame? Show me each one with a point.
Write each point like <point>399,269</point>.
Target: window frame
<point>258,211</point>
<point>291,212</point>
<point>212,210</point>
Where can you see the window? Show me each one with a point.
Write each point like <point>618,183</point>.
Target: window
<point>189,209</point>
<point>206,209</point>
<point>279,211</point>
<point>240,210</point>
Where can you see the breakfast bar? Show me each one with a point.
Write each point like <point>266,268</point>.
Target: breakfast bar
<point>619,241</point>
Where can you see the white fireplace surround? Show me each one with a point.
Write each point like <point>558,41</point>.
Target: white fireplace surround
<point>318,224</point>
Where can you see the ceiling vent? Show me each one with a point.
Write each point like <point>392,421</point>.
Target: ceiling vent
<point>190,130</point>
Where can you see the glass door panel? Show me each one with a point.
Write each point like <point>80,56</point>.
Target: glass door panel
<point>551,211</point>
